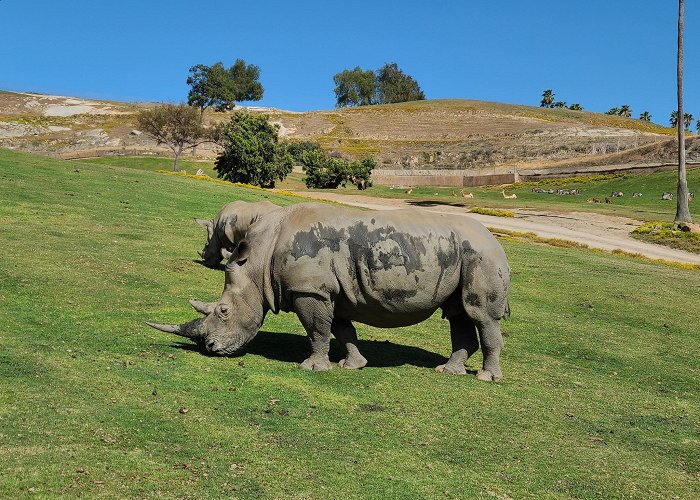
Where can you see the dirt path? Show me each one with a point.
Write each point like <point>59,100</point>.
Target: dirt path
<point>604,232</point>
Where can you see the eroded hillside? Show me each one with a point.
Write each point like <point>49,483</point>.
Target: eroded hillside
<point>433,135</point>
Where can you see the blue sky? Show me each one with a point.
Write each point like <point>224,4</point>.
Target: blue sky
<point>597,53</point>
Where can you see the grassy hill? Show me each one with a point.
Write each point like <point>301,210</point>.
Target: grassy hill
<point>481,137</point>
<point>600,398</point>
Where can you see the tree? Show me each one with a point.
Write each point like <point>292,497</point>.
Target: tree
<point>645,116</point>
<point>674,119</point>
<point>393,85</point>
<point>297,148</point>
<point>547,99</point>
<point>251,152</point>
<point>625,111</point>
<point>613,111</point>
<point>355,88</point>
<point>559,104</point>
<point>682,211</point>
<point>326,172</point>
<point>687,121</point>
<point>220,88</point>
<point>177,126</point>
<point>576,107</point>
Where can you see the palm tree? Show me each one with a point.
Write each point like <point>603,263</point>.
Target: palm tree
<point>613,111</point>
<point>682,211</point>
<point>645,116</point>
<point>559,104</point>
<point>547,99</point>
<point>576,107</point>
<point>625,111</point>
<point>674,119</point>
<point>687,121</point>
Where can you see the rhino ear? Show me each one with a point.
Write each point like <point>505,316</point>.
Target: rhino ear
<point>241,253</point>
<point>226,254</point>
<point>207,224</point>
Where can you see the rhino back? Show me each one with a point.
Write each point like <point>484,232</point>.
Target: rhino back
<point>382,268</point>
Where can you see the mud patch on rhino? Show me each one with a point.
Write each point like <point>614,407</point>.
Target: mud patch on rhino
<point>309,243</point>
<point>398,296</point>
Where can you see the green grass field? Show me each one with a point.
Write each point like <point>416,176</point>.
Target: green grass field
<point>648,207</point>
<point>601,397</point>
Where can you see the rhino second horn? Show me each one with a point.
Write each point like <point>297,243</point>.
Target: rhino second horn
<point>203,307</point>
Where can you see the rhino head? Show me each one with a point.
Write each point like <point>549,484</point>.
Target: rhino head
<point>229,324</point>
<point>213,250</point>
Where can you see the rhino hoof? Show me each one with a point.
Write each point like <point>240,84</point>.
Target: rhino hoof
<point>352,363</point>
<point>451,369</point>
<point>315,364</point>
<point>487,376</point>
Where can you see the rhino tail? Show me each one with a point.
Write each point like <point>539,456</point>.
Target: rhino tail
<point>506,313</point>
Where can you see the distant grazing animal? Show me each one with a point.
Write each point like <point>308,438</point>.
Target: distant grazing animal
<point>608,199</point>
<point>667,196</point>
<point>229,227</point>
<point>537,190</point>
<point>691,196</point>
<point>551,191</point>
<point>575,191</point>
<point>617,194</point>
<point>636,195</point>
<point>409,191</point>
<point>508,196</point>
<point>333,266</point>
<point>466,195</point>
<point>360,183</point>
<point>596,199</point>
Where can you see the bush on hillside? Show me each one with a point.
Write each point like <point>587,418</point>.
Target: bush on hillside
<point>251,152</point>
<point>296,148</point>
<point>326,172</point>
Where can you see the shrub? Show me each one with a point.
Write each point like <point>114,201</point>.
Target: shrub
<point>296,148</point>
<point>492,211</point>
<point>325,172</point>
<point>252,153</point>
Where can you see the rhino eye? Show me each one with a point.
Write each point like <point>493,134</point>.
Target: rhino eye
<point>224,309</point>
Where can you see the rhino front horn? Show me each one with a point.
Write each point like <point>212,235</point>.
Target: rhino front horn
<point>190,330</point>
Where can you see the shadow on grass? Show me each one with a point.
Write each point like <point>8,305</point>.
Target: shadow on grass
<point>219,267</point>
<point>435,203</point>
<point>291,348</point>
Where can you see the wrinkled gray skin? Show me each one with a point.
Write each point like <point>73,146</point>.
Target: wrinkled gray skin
<point>228,227</point>
<point>333,266</point>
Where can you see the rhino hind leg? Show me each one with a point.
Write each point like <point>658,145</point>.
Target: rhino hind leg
<point>345,332</point>
<point>464,344</point>
<point>316,317</point>
<point>491,345</point>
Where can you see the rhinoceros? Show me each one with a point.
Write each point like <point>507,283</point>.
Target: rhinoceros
<point>229,227</point>
<point>333,266</point>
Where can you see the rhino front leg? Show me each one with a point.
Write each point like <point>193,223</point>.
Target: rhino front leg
<point>316,317</point>
<point>464,344</point>
<point>345,332</point>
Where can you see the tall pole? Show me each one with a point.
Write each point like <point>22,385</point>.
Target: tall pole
<point>682,211</point>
